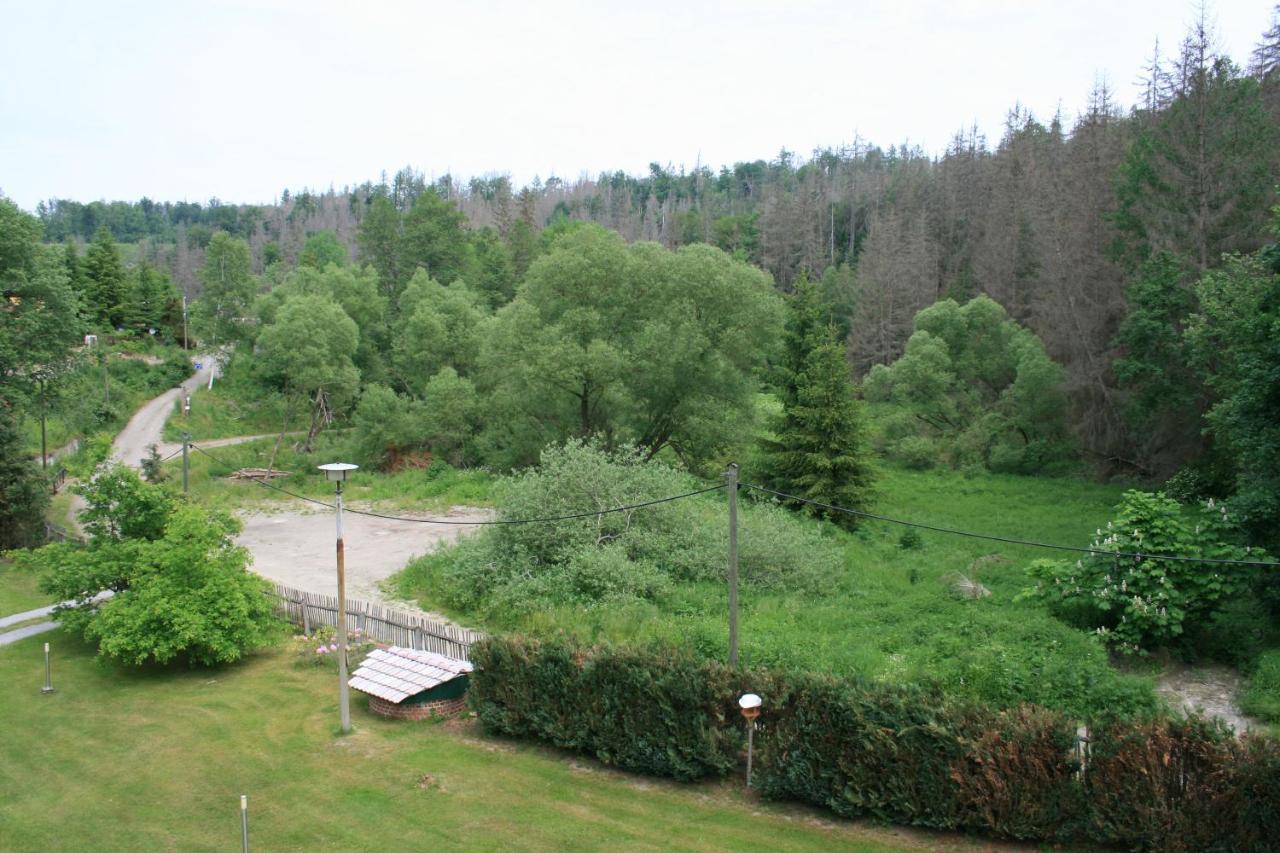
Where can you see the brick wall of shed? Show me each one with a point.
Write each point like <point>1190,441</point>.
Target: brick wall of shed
<point>441,708</point>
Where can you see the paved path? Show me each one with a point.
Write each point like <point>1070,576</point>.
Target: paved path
<point>29,631</point>
<point>147,424</point>
<point>26,617</point>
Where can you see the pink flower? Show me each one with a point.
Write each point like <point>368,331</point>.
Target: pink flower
<point>321,650</point>
<point>333,647</point>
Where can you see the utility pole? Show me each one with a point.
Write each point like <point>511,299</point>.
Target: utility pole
<point>731,478</point>
<point>186,462</point>
<point>336,472</point>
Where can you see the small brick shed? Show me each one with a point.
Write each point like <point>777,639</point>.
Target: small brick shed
<point>411,684</point>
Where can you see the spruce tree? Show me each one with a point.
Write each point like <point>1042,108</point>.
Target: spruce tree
<point>104,280</point>
<point>819,451</point>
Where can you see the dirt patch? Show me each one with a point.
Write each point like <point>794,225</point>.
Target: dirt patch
<point>297,548</point>
<point>1209,690</point>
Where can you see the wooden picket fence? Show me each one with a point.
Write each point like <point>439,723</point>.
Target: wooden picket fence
<point>378,623</point>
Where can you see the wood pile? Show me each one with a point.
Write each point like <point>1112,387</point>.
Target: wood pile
<point>256,474</point>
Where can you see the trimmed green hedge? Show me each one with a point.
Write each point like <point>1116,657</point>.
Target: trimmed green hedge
<point>903,754</point>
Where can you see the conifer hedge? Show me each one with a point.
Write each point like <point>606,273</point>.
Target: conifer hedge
<point>898,753</point>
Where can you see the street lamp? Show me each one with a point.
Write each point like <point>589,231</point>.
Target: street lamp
<point>336,472</point>
<point>750,705</point>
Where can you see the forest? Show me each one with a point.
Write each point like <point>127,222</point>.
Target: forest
<point>1083,308</point>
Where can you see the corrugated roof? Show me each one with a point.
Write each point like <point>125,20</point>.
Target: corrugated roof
<point>395,674</point>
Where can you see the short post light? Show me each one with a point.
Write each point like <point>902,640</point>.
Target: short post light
<point>337,472</point>
<point>750,705</point>
<point>48,682</point>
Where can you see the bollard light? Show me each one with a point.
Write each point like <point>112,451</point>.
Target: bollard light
<point>750,705</point>
<point>48,684</point>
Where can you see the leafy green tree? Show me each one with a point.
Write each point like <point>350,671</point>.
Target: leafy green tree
<point>434,238</point>
<point>24,491</point>
<point>229,287</point>
<point>1140,603</point>
<point>450,415</point>
<point>308,353</point>
<point>321,249</point>
<point>385,424</point>
<point>439,327</point>
<point>820,450</point>
<point>379,241</point>
<point>106,290</point>
<point>121,506</point>
<point>1234,340</point>
<point>493,272</point>
<point>41,324</point>
<point>975,387</point>
<point>184,595</point>
<point>631,343</point>
<point>355,289</point>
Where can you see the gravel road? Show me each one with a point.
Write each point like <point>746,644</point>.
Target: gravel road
<point>297,548</point>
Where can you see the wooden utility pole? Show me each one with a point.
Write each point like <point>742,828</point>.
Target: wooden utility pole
<point>731,478</point>
<point>343,701</point>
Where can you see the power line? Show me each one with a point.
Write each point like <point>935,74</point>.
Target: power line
<point>546,520</point>
<point>1005,539</point>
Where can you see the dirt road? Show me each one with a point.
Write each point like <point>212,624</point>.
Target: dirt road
<point>147,424</point>
<point>297,548</point>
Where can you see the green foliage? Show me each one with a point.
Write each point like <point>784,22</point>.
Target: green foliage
<point>24,491</point>
<point>1261,694</point>
<point>633,343</point>
<point>627,556</point>
<point>439,327</point>
<point>1137,603</point>
<point>151,302</point>
<point>655,711</point>
<point>1234,339</point>
<point>322,249</point>
<point>981,386</point>
<point>104,278</point>
<point>353,288</point>
<point>308,350</point>
<point>182,589</point>
<point>819,451</point>
<point>229,288</point>
<point>901,753</point>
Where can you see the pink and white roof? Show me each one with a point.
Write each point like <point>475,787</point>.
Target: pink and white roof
<point>395,673</point>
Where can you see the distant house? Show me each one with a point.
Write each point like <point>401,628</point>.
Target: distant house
<point>411,684</point>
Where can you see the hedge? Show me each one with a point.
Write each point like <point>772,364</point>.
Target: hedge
<point>898,753</point>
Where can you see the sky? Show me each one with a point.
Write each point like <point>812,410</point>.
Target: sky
<point>241,99</point>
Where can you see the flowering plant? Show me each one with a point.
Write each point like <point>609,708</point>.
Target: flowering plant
<point>320,647</point>
<point>1137,602</point>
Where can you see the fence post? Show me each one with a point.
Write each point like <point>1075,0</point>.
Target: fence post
<point>306,617</point>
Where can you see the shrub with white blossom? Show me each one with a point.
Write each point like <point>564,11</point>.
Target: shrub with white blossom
<point>1136,603</point>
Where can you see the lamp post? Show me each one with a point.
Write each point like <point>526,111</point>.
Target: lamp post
<point>336,472</point>
<point>750,705</point>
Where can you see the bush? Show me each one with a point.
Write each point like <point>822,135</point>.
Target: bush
<point>1136,603</point>
<point>636,554</point>
<point>1261,696</point>
<point>900,753</point>
<point>654,711</point>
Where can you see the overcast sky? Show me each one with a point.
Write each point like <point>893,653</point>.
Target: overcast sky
<point>240,99</point>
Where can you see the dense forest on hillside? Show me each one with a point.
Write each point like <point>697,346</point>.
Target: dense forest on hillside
<point>1094,236</point>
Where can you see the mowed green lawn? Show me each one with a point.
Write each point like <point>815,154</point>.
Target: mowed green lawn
<point>19,591</point>
<point>157,761</point>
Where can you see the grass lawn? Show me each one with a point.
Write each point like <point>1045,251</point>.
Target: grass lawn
<point>19,591</point>
<point>117,760</point>
<point>891,612</point>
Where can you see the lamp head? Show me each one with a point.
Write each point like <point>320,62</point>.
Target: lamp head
<point>336,472</point>
<point>750,705</point>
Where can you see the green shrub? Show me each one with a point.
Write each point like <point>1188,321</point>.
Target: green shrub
<point>1137,603</point>
<point>655,711</point>
<point>902,753</point>
<point>1261,695</point>
<point>638,554</point>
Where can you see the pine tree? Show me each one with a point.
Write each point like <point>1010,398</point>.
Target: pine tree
<point>819,452</point>
<point>104,280</point>
<point>23,491</point>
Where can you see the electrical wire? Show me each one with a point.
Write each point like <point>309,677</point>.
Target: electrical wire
<point>1010,541</point>
<point>546,520</point>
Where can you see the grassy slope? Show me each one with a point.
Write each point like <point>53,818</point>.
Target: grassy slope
<point>413,489</point>
<point>19,591</point>
<point>225,411</point>
<point>892,614</point>
<point>123,761</point>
